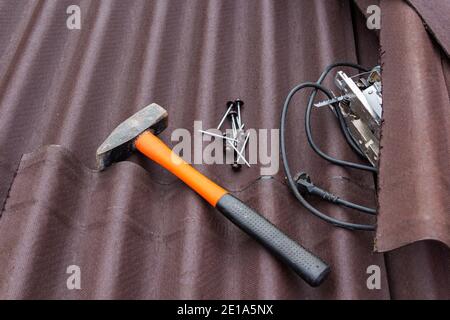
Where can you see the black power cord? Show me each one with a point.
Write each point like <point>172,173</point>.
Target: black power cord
<point>305,185</point>
<point>303,182</point>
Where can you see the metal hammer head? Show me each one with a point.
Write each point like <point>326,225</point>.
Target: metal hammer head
<point>120,143</point>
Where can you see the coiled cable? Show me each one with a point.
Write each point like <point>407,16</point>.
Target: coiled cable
<point>292,183</point>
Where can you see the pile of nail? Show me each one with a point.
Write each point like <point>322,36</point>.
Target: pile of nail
<point>235,139</point>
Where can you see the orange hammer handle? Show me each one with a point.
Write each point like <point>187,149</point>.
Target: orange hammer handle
<point>151,146</point>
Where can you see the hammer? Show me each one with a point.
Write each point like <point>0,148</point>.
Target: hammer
<point>139,132</point>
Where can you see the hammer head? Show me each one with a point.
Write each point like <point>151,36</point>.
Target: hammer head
<point>120,143</point>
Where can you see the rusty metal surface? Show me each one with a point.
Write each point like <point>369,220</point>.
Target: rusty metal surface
<point>137,232</point>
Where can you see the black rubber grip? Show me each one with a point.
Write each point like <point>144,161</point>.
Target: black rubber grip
<point>309,267</point>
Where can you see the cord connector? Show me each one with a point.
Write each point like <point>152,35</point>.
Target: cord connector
<point>303,183</point>
<point>306,186</point>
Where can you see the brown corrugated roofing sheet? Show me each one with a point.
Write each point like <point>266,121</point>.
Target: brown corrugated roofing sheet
<point>134,230</point>
<point>435,19</point>
<point>414,202</point>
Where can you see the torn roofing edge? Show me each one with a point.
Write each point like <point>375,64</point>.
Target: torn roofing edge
<point>8,190</point>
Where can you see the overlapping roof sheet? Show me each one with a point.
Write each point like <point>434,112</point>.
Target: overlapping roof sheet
<point>137,232</point>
